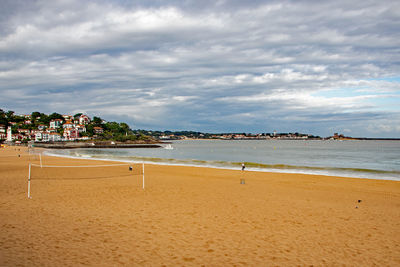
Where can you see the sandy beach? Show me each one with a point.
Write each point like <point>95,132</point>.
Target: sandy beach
<point>189,216</point>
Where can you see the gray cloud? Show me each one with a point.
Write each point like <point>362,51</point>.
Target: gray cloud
<point>207,65</point>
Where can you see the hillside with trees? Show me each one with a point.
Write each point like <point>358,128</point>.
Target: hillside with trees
<point>58,127</point>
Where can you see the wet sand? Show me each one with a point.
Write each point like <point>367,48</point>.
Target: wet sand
<point>190,216</point>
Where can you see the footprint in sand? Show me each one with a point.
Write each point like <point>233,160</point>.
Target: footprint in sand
<point>188,259</point>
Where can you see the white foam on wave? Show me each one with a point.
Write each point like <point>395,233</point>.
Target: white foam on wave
<point>187,163</point>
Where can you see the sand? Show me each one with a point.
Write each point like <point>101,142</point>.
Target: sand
<point>190,216</point>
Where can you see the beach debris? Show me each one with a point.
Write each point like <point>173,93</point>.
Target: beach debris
<point>130,168</point>
<point>359,201</point>
<point>242,181</point>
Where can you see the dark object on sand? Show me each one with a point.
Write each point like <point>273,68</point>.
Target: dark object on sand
<point>359,201</point>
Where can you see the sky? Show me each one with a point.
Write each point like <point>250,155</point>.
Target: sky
<point>316,67</point>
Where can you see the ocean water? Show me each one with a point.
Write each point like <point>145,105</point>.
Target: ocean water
<point>362,159</point>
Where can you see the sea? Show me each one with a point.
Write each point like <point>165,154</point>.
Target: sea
<point>349,158</point>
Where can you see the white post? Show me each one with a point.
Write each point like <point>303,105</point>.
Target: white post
<point>29,182</point>
<point>143,173</point>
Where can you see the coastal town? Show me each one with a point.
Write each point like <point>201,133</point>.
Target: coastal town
<point>67,128</point>
<point>41,128</point>
<point>181,135</point>
<point>56,128</point>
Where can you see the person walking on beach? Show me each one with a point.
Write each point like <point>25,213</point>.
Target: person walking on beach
<point>243,166</point>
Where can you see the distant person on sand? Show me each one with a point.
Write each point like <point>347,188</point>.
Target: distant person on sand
<point>243,166</point>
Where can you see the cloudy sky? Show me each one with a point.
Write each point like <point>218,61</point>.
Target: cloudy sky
<point>307,66</point>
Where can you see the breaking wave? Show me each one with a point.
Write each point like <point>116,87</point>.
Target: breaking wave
<point>250,166</point>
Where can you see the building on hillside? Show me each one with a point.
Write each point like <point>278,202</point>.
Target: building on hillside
<point>27,122</point>
<point>19,137</point>
<point>24,131</point>
<point>9,134</point>
<point>68,125</point>
<point>41,127</point>
<point>3,136</point>
<point>56,123</point>
<point>2,128</point>
<point>83,119</point>
<point>81,128</point>
<point>34,131</point>
<point>67,117</point>
<point>71,134</point>
<point>98,130</point>
<point>42,137</point>
<point>54,137</point>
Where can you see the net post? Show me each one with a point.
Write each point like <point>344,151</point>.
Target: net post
<point>29,181</point>
<point>40,157</point>
<point>143,173</point>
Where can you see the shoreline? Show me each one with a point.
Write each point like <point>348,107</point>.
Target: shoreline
<point>289,169</point>
<point>68,145</point>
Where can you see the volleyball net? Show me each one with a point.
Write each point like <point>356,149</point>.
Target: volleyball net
<point>85,172</point>
<point>35,155</point>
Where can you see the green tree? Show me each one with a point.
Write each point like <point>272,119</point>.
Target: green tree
<point>19,119</point>
<point>89,129</point>
<point>35,114</point>
<point>54,116</point>
<point>10,115</point>
<point>125,127</point>
<point>97,121</point>
<point>44,119</point>
<point>3,119</point>
<point>77,115</point>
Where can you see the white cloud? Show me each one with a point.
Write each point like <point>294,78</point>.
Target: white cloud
<point>384,126</point>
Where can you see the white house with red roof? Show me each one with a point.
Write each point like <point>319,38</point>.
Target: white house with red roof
<point>2,128</point>
<point>24,131</point>
<point>68,125</point>
<point>42,137</point>
<point>67,117</point>
<point>98,130</point>
<point>70,134</point>
<point>34,131</point>
<point>80,128</point>
<point>56,123</point>
<point>54,137</point>
<point>83,119</point>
